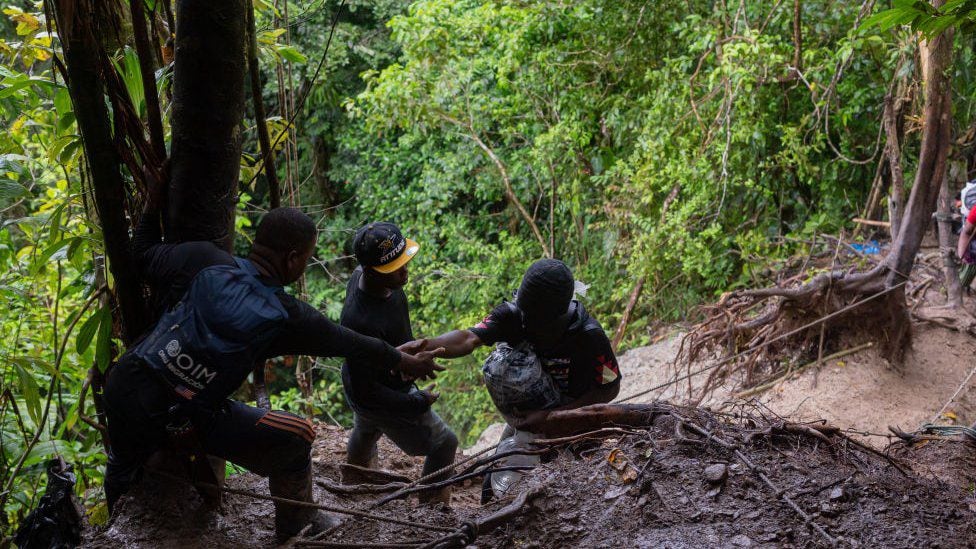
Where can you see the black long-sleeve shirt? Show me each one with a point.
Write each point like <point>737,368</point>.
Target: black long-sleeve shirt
<point>373,390</point>
<point>170,268</point>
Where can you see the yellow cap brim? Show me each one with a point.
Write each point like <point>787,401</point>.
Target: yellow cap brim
<point>409,251</point>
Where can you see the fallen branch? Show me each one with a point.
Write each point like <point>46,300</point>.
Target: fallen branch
<point>872,223</point>
<point>449,482</point>
<point>470,531</point>
<point>358,489</point>
<point>354,474</point>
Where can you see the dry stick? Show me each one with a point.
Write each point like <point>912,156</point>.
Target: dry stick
<point>443,470</point>
<point>765,386</point>
<point>962,386</point>
<point>460,478</point>
<point>871,222</point>
<point>470,531</point>
<point>767,343</point>
<point>622,328</point>
<point>574,438</point>
<point>807,519</point>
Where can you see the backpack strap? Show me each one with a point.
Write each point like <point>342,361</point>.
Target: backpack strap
<point>246,266</point>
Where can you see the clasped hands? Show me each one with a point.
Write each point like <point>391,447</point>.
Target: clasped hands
<point>417,362</point>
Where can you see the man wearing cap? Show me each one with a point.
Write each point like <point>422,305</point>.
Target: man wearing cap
<point>385,402</point>
<point>571,345</point>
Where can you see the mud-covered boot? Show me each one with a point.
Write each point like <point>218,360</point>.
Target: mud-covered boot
<point>291,519</point>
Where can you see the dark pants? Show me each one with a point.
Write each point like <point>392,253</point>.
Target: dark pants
<point>137,405</point>
<point>423,435</point>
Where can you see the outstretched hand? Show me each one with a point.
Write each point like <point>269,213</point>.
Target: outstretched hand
<point>413,347</point>
<point>420,365</point>
<point>429,394</point>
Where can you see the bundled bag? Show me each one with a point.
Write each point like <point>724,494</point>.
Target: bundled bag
<point>56,522</point>
<point>516,381</point>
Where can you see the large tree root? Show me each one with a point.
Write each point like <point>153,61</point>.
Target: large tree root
<point>753,331</point>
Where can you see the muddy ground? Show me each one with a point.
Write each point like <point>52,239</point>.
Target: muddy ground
<point>647,489</point>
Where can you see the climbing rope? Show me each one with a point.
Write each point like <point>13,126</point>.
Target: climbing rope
<point>965,382</point>
<point>948,430</point>
<point>767,343</point>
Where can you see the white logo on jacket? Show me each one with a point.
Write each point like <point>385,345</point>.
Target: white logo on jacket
<point>184,366</point>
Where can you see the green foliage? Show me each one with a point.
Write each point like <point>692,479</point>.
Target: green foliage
<point>926,19</point>
<point>686,144</point>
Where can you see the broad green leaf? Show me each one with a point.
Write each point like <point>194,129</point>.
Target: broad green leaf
<point>11,190</point>
<point>31,393</point>
<point>289,53</point>
<point>49,252</point>
<point>87,331</point>
<point>62,102</point>
<point>54,151</point>
<point>103,345</point>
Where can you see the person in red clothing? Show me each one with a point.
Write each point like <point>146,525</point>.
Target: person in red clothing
<point>966,235</point>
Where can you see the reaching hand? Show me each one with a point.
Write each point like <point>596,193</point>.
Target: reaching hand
<point>413,347</point>
<point>420,365</point>
<point>429,394</point>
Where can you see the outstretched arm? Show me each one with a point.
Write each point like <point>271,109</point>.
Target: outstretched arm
<point>456,343</point>
<point>599,394</point>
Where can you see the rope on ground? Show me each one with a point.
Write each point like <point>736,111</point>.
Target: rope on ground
<point>965,382</point>
<point>948,430</point>
<point>449,468</point>
<point>741,354</point>
<point>297,503</point>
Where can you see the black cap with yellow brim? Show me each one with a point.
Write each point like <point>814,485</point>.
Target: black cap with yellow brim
<point>381,247</point>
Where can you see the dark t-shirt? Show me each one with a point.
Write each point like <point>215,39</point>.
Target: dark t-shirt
<point>169,268</point>
<point>370,389</point>
<point>581,360</point>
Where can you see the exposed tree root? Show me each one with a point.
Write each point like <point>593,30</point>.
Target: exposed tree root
<point>759,334</point>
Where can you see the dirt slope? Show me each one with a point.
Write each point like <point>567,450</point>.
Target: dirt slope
<point>861,391</point>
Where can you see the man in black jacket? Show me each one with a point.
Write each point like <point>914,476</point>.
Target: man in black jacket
<point>144,407</point>
<point>385,402</point>
<point>571,345</point>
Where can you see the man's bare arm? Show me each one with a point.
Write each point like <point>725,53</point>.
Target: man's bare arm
<point>964,237</point>
<point>456,343</point>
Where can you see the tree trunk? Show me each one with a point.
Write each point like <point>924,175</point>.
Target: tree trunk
<point>79,28</point>
<point>208,107</point>
<point>947,242</point>
<point>896,201</point>
<point>260,118</point>
<point>936,56</point>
